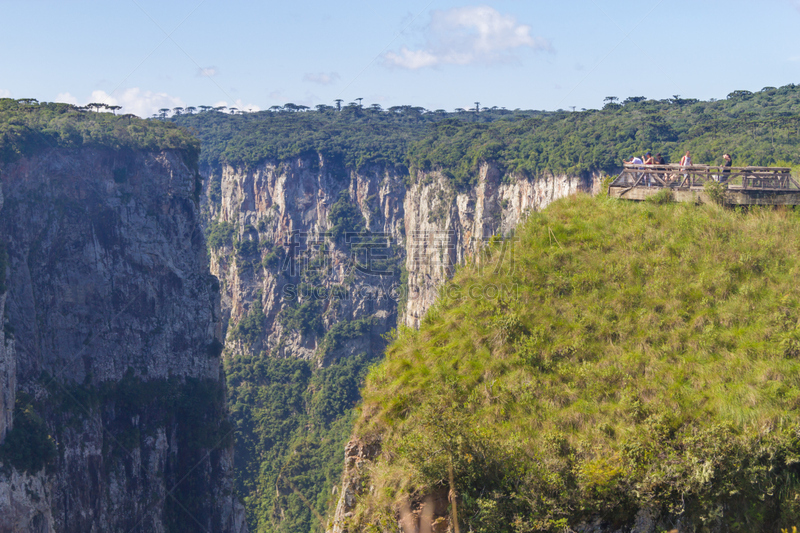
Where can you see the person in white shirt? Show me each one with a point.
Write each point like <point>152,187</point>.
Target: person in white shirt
<point>635,161</point>
<point>686,161</point>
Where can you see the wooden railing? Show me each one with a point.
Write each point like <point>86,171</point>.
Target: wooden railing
<point>676,176</point>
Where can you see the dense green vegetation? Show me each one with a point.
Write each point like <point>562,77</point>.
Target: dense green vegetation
<point>626,356</point>
<point>757,128</point>
<point>294,417</point>
<point>219,234</point>
<point>349,138</point>
<point>27,126</point>
<point>28,447</point>
<point>250,328</point>
<point>292,423</point>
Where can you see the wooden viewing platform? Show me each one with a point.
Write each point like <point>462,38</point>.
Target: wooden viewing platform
<point>745,185</point>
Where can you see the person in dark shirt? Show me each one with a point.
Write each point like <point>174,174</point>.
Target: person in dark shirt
<point>659,160</point>
<point>726,168</point>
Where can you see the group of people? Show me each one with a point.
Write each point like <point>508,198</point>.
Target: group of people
<point>686,161</point>
<point>648,159</point>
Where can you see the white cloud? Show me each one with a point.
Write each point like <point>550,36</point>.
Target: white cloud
<point>133,100</point>
<point>322,78</point>
<point>5,93</point>
<point>207,72</point>
<point>468,35</point>
<point>238,104</point>
<point>412,59</point>
<point>66,98</point>
<point>138,102</point>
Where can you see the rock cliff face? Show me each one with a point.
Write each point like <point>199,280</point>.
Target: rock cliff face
<point>428,227</point>
<point>445,228</point>
<point>8,361</point>
<point>112,406</point>
<point>296,243</point>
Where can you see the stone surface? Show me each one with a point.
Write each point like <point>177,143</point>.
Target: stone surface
<point>287,206</point>
<point>433,227</point>
<point>108,282</point>
<point>358,454</point>
<point>445,227</point>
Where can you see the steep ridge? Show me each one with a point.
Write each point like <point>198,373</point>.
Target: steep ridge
<point>112,403</point>
<point>628,368</point>
<point>318,263</point>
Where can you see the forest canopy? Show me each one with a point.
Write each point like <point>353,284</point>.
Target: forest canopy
<point>28,126</point>
<point>760,128</point>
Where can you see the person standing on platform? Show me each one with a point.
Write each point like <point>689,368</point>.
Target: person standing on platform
<point>635,161</point>
<point>726,168</point>
<point>649,160</point>
<point>686,161</point>
<point>660,161</point>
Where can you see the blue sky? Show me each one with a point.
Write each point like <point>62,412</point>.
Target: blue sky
<point>438,54</point>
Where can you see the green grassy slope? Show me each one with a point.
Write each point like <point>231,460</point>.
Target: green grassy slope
<point>625,356</point>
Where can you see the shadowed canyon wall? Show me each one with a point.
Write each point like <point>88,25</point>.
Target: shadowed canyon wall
<point>112,402</point>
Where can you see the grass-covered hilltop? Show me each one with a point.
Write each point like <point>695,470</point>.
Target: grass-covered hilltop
<point>625,358</point>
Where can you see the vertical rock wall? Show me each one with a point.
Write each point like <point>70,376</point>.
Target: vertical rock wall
<point>8,362</point>
<point>116,349</point>
<point>445,227</point>
<point>286,208</point>
<point>434,227</point>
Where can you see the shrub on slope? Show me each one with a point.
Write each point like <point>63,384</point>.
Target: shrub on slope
<point>625,357</point>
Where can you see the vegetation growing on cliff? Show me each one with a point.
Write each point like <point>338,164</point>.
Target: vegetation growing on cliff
<point>294,416</point>
<point>625,357</point>
<point>292,423</point>
<point>28,446</point>
<point>350,138</point>
<point>758,128</point>
<point>27,126</point>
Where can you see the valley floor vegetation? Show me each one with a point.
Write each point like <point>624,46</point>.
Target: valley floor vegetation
<point>650,360</point>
